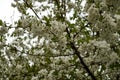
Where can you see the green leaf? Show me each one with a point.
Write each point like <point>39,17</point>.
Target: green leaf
<point>1,22</point>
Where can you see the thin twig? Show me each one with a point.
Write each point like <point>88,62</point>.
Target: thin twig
<point>71,44</point>
<point>32,9</point>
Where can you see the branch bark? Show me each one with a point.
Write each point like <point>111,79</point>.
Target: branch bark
<point>25,1</point>
<point>76,52</point>
<point>72,46</point>
<point>82,61</point>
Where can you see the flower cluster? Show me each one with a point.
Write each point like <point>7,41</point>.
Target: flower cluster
<point>71,5</point>
<point>93,14</point>
<point>104,19</point>
<point>55,48</point>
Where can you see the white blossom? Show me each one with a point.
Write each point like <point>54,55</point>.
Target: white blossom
<point>78,73</point>
<point>57,27</point>
<point>43,72</point>
<point>103,6</point>
<point>113,3</point>
<point>71,5</point>
<point>19,67</point>
<point>113,56</point>
<point>93,14</point>
<point>50,75</point>
<point>101,44</point>
<point>43,48</point>
<point>110,20</point>
<point>34,78</point>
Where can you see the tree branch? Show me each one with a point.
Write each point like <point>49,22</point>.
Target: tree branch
<point>80,58</point>
<point>31,9</point>
<point>82,61</point>
<point>71,44</point>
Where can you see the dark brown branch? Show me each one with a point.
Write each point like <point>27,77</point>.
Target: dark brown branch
<point>71,44</point>
<point>31,9</point>
<point>80,58</point>
<point>82,61</point>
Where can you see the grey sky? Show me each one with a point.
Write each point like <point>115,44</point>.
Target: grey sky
<point>8,13</point>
